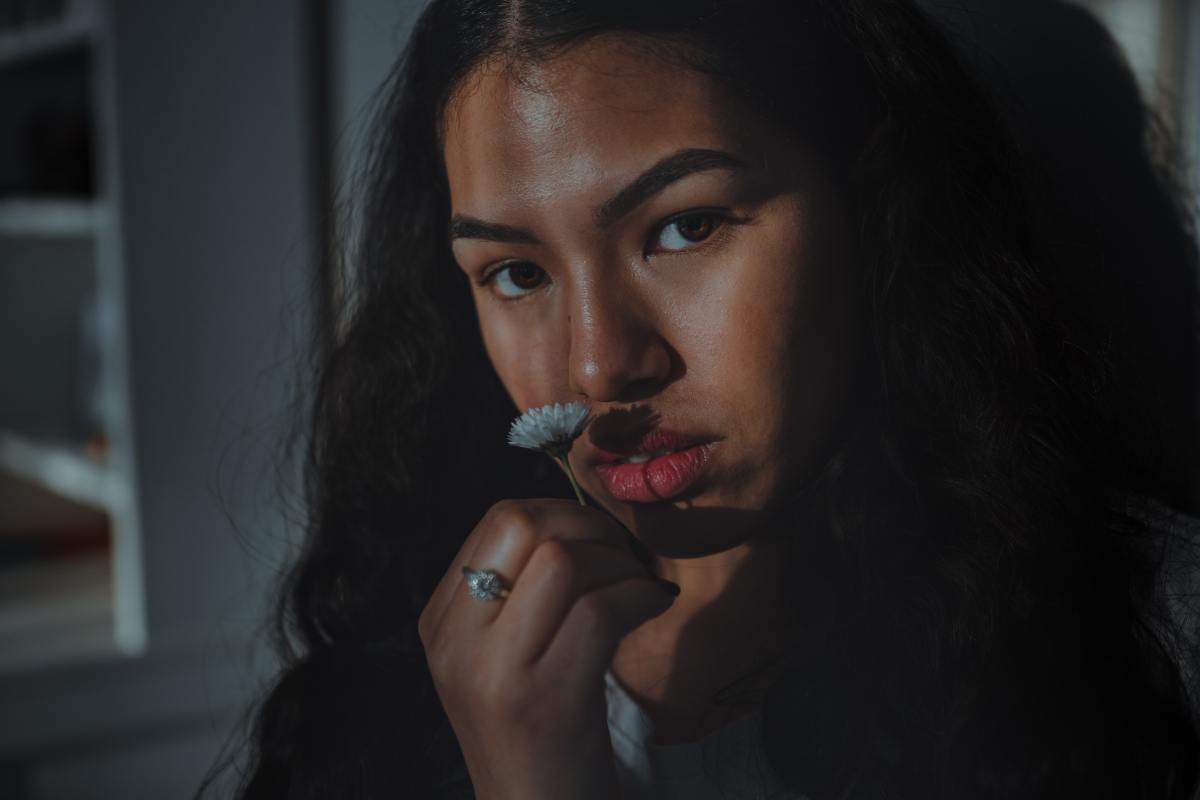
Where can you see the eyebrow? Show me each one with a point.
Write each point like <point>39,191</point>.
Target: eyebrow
<point>666,171</point>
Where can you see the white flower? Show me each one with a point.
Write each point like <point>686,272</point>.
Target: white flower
<point>551,428</point>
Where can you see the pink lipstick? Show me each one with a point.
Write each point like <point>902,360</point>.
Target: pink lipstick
<point>661,465</point>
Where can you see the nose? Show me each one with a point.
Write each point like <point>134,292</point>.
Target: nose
<point>617,351</point>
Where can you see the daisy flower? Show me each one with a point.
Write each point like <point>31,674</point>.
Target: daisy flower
<point>552,429</point>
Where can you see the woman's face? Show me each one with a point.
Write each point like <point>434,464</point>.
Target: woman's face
<point>640,240</point>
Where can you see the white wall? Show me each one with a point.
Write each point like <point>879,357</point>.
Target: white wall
<point>216,213</point>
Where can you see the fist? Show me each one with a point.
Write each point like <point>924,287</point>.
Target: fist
<point>522,678</point>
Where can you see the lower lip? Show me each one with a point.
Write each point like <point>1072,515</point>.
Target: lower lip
<point>657,479</point>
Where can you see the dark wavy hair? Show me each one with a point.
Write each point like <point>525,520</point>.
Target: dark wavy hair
<point>981,567</point>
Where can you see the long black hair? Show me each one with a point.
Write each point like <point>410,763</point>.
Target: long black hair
<point>978,570</point>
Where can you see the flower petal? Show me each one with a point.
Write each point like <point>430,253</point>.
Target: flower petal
<point>550,428</point>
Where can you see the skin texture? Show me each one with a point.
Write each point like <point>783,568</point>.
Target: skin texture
<point>738,326</point>
<point>531,717</point>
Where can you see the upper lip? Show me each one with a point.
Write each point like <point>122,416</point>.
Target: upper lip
<point>606,449</point>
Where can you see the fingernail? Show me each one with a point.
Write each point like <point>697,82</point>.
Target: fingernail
<point>671,587</point>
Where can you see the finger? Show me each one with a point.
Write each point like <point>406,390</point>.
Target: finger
<point>511,528</point>
<point>556,575</point>
<point>587,640</point>
<point>503,526</point>
<point>503,541</point>
<point>512,533</point>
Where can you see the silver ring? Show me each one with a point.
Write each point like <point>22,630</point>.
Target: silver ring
<point>485,584</point>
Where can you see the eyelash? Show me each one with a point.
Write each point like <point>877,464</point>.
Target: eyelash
<point>721,219</point>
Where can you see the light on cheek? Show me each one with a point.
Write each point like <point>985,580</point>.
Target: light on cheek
<point>532,371</point>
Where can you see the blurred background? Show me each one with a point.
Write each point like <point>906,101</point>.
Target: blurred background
<point>168,174</point>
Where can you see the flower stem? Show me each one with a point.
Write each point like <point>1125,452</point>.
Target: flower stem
<point>567,466</point>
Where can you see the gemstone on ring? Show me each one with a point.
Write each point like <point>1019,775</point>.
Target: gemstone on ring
<point>484,584</point>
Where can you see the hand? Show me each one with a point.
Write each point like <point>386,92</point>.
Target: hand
<point>522,679</point>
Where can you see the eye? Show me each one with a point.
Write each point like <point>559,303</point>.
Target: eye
<point>685,230</point>
<point>514,279</point>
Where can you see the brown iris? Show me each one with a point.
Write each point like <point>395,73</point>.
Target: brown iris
<point>524,275</point>
<point>694,227</point>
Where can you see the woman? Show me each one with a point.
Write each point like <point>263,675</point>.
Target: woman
<point>896,545</point>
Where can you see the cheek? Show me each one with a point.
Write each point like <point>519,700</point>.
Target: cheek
<point>782,337</point>
<point>524,361</point>
<point>758,314</point>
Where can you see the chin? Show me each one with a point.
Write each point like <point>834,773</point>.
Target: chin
<point>691,528</point>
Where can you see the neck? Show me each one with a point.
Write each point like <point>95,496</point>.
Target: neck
<point>710,658</point>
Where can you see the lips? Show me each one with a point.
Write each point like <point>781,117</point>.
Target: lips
<point>660,478</point>
<point>668,462</point>
<point>655,441</point>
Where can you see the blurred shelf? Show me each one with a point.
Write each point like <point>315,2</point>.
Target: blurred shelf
<point>56,611</point>
<point>48,218</point>
<point>61,470</point>
<point>29,42</point>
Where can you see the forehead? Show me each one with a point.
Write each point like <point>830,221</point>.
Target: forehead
<point>606,106</point>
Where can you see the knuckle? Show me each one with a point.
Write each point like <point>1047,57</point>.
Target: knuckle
<point>511,522</point>
<point>515,539</point>
<point>594,614</point>
<point>555,556</point>
<point>510,512</point>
